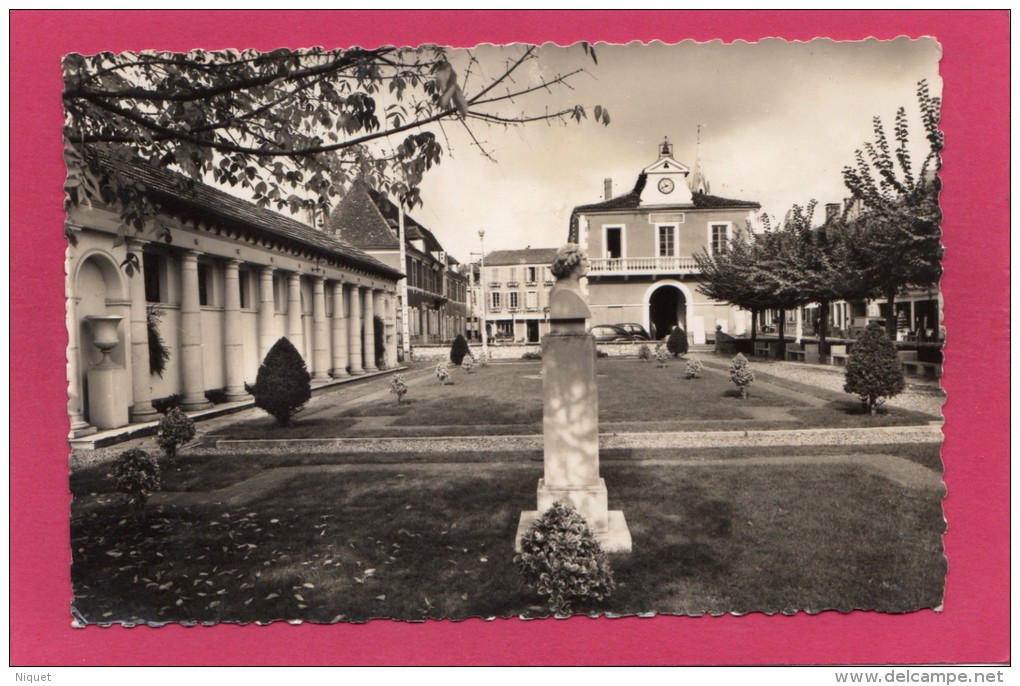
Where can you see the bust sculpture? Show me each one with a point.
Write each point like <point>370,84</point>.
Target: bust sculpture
<point>567,307</point>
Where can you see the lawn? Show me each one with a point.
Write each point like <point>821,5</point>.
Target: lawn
<point>506,398</point>
<point>261,538</point>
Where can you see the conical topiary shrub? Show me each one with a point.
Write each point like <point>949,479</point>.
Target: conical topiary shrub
<point>283,384</point>
<point>873,370</point>
<point>741,374</point>
<point>459,350</point>
<point>561,558</point>
<point>677,342</point>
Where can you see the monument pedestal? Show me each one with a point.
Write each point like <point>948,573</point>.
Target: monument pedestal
<point>592,502</point>
<point>108,401</point>
<point>571,439</point>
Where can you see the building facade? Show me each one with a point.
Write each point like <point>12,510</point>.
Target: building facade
<point>220,280</point>
<point>641,248</point>
<point>515,287</point>
<point>436,292</point>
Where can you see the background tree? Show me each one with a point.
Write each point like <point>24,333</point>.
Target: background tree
<point>778,270</point>
<point>291,127</point>
<point>895,242</point>
<point>727,276</point>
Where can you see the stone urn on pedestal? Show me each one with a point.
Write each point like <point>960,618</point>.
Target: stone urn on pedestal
<point>108,398</point>
<point>104,337</point>
<point>570,416</point>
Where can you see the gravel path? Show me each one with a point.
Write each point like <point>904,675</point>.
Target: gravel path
<point>664,439</point>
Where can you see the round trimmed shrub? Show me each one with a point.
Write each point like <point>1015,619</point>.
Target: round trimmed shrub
<point>661,355</point>
<point>874,373</point>
<point>175,429</point>
<point>442,372</point>
<point>562,560</point>
<point>694,368</point>
<point>283,384</point>
<point>136,475</point>
<point>741,374</point>
<point>677,342</point>
<point>644,353</point>
<point>459,350</point>
<point>399,387</point>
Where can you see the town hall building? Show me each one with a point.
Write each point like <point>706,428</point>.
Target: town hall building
<point>641,248</point>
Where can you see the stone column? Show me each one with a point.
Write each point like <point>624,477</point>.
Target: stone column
<point>192,370</point>
<point>141,388</point>
<point>320,334</point>
<point>391,329</point>
<point>340,360</point>
<point>294,328</point>
<point>368,294</point>
<point>233,347</point>
<point>354,331</point>
<point>267,311</point>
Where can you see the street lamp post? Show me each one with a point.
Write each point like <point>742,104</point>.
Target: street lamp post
<point>405,339</point>
<point>485,303</point>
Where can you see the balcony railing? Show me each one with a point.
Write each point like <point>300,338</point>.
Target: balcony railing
<point>512,284</point>
<point>643,265</point>
<point>494,284</point>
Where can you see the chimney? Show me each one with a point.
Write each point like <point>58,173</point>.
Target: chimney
<point>831,211</point>
<point>609,189</point>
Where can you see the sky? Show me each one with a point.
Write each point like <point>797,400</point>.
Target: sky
<point>779,120</point>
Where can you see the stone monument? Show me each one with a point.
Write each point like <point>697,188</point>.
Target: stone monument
<point>571,413</point>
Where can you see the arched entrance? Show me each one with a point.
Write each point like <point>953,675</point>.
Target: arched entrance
<point>667,307</point>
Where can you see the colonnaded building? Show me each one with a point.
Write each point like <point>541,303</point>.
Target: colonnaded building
<point>233,280</point>
<point>641,248</point>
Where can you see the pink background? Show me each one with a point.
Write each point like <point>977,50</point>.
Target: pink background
<point>975,624</point>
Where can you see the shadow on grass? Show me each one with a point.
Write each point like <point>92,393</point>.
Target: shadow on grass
<point>262,428</point>
<point>850,413</point>
<point>381,409</point>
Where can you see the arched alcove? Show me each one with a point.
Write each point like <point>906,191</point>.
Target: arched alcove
<point>97,281</point>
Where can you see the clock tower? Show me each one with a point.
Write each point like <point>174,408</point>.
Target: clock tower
<point>666,180</point>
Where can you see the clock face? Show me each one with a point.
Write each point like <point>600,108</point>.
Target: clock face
<point>666,185</point>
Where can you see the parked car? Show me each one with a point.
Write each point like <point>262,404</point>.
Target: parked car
<point>636,332</point>
<point>605,333</point>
